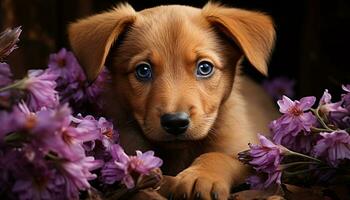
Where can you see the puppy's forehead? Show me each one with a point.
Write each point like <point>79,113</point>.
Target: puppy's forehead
<point>171,29</point>
<point>179,9</point>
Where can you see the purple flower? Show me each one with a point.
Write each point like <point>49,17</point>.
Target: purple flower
<point>78,173</point>
<point>327,106</point>
<point>87,128</point>
<point>5,74</point>
<point>339,112</point>
<point>116,169</point>
<point>8,40</point>
<point>108,135</point>
<point>79,133</point>
<point>265,158</point>
<point>336,113</point>
<point>123,168</point>
<point>295,121</point>
<point>295,109</point>
<point>300,142</point>
<point>66,66</point>
<point>333,146</point>
<point>279,86</point>
<point>99,130</point>
<point>41,87</point>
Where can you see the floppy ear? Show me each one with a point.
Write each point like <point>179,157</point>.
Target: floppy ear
<point>92,38</point>
<point>252,31</point>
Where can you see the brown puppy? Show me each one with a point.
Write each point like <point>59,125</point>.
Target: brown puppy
<point>178,89</point>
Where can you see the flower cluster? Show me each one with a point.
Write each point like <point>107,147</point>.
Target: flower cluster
<point>313,142</point>
<point>46,150</point>
<point>48,147</point>
<point>72,84</point>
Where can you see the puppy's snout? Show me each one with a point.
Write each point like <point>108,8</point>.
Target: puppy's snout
<point>175,123</point>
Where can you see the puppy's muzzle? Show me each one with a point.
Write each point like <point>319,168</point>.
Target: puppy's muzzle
<point>175,123</point>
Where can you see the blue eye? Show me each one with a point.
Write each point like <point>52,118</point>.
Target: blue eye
<point>143,71</point>
<point>204,69</point>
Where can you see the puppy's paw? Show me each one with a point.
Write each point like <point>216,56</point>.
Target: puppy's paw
<point>196,184</point>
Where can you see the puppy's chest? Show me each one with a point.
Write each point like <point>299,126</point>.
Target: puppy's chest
<point>174,161</point>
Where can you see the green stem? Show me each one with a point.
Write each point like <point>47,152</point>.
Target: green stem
<point>304,156</point>
<point>320,129</point>
<point>13,137</point>
<point>319,118</point>
<point>52,156</point>
<point>285,166</point>
<point>13,85</point>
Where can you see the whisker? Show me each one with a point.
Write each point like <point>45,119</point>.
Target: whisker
<point>204,122</point>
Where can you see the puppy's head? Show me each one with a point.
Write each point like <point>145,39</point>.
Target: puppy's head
<point>173,66</point>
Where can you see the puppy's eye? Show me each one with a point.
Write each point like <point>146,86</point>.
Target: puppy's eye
<point>143,71</point>
<point>204,69</point>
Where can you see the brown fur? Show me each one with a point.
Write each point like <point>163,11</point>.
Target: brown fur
<point>226,110</point>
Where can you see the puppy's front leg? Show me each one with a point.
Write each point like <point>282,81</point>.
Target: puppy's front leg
<point>209,177</point>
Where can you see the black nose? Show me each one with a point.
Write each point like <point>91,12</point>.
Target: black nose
<point>175,123</point>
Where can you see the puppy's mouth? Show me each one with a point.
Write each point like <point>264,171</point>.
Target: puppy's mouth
<point>162,135</point>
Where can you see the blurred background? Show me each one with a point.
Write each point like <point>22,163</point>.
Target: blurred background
<point>311,49</point>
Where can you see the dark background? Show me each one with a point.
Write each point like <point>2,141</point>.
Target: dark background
<point>312,36</point>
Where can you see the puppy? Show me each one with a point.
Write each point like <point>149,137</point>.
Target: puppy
<point>177,88</point>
